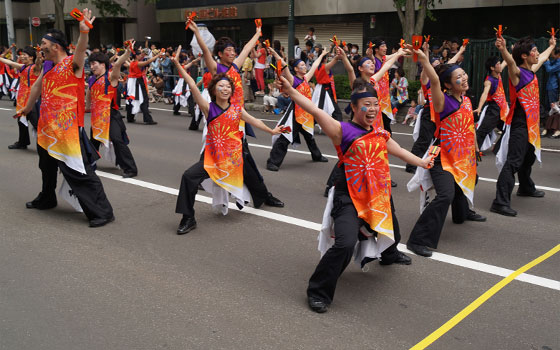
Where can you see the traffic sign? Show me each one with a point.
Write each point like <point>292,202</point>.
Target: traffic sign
<point>35,21</point>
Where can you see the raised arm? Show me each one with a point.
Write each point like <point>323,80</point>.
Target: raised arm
<point>247,48</point>
<point>38,67</point>
<point>309,75</point>
<point>543,57</point>
<point>286,71</point>
<point>81,47</point>
<point>388,64</point>
<point>206,54</point>
<point>330,126</point>
<point>329,65</point>
<point>513,70</point>
<point>150,60</point>
<point>116,71</point>
<point>347,66</point>
<point>259,124</point>
<point>438,99</point>
<point>197,96</point>
<point>11,63</point>
<point>455,58</point>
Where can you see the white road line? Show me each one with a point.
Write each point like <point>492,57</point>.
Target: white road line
<point>469,264</point>
<point>399,166</point>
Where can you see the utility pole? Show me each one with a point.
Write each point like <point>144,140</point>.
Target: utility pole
<point>291,30</point>
<point>10,24</point>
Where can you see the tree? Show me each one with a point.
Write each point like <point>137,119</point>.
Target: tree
<point>105,8</point>
<point>412,23</point>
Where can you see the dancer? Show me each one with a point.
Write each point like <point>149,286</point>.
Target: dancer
<point>520,143</point>
<point>223,163</point>
<point>324,95</point>
<point>492,106</point>
<point>297,118</point>
<point>454,172</point>
<point>182,97</point>
<point>137,86</point>
<point>229,63</point>
<point>425,126</point>
<point>361,203</point>
<point>62,141</point>
<point>29,69</point>
<point>107,126</point>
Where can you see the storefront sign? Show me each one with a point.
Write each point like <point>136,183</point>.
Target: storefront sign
<point>214,13</point>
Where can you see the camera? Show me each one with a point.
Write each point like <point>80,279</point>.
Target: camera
<point>148,37</point>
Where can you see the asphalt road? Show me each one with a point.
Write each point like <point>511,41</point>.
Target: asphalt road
<point>238,281</point>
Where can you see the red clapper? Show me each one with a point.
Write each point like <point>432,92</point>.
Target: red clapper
<point>191,17</point>
<point>433,152</point>
<point>499,31</point>
<point>258,23</point>
<point>427,38</point>
<point>465,42</point>
<point>416,45</point>
<point>77,14</point>
<point>552,32</point>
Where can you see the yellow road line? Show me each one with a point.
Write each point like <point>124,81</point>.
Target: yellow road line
<point>480,300</point>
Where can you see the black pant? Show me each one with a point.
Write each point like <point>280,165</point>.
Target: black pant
<point>280,147</point>
<point>425,136</point>
<point>387,123</point>
<point>87,187</point>
<point>23,138</point>
<point>143,107</point>
<point>491,119</point>
<point>520,159</point>
<point>194,176</point>
<point>322,283</point>
<point>427,230</point>
<point>326,89</point>
<point>117,135</point>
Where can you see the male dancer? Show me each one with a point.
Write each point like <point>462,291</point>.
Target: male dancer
<point>136,87</point>
<point>520,144</point>
<point>106,121</point>
<point>62,142</point>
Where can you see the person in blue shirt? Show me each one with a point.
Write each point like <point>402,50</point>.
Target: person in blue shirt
<point>552,67</point>
<point>165,64</point>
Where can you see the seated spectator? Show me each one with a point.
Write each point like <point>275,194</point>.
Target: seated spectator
<point>552,124</point>
<point>155,87</point>
<point>283,101</point>
<point>271,99</point>
<point>411,114</point>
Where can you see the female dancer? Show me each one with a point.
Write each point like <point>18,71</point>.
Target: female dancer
<point>297,118</point>
<point>454,172</point>
<point>361,200</point>
<point>223,160</point>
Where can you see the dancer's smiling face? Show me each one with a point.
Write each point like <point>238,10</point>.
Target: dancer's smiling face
<point>365,111</point>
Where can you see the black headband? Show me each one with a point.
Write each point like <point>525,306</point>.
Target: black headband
<point>448,72</point>
<point>54,40</point>
<point>355,97</point>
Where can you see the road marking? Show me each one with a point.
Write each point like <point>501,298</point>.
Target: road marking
<point>482,299</point>
<point>552,189</point>
<point>470,264</point>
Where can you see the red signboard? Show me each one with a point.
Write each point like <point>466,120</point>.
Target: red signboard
<point>35,21</point>
<point>214,13</point>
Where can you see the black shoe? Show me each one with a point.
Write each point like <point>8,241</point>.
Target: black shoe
<point>17,145</point>
<point>317,305</point>
<point>421,250</point>
<point>186,225</point>
<point>410,169</point>
<point>326,194</point>
<point>503,210</point>
<point>323,159</point>
<point>131,120</point>
<point>41,202</point>
<point>129,175</point>
<point>98,222</point>
<point>393,183</point>
<point>402,259</point>
<point>150,123</point>
<point>472,216</point>
<point>272,167</point>
<point>176,113</point>
<point>273,201</point>
<point>536,194</point>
